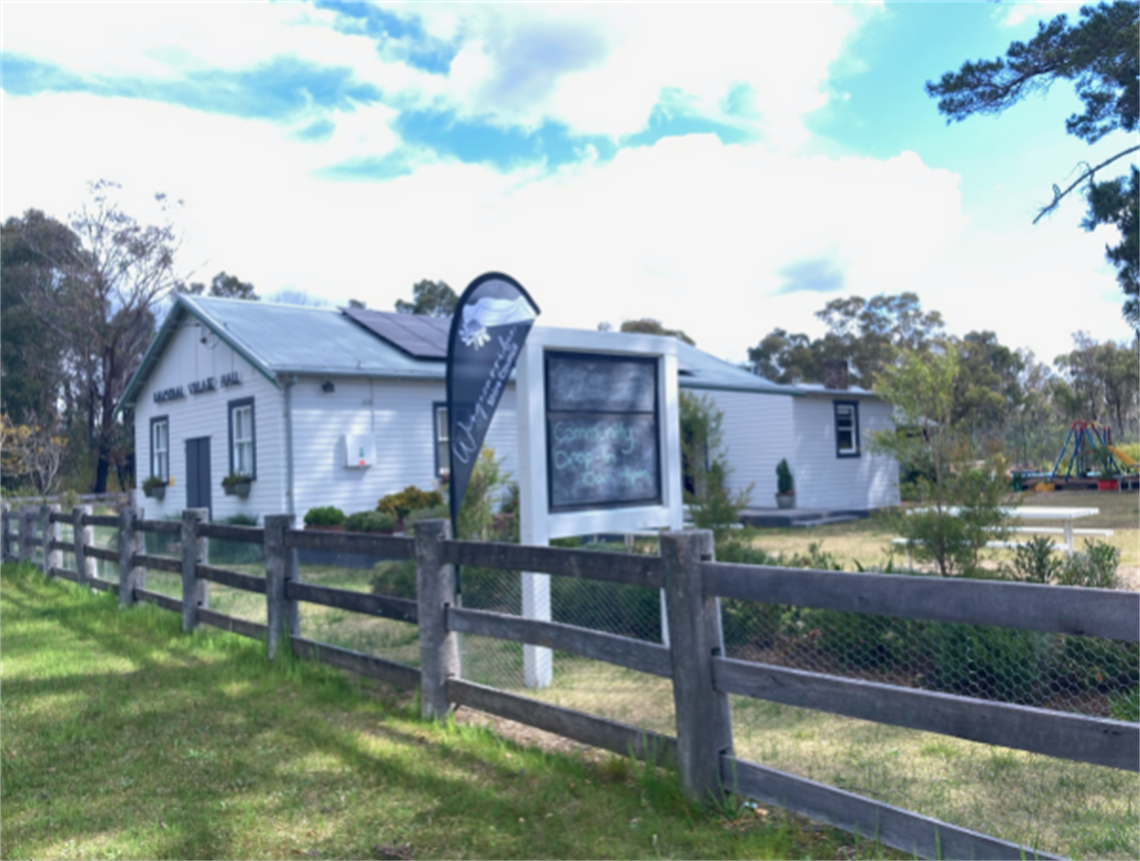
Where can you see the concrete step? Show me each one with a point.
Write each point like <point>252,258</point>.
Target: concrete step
<point>824,521</point>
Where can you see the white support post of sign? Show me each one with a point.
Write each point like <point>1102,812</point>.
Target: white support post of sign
<point>538,523</point>
<point>538,661</point>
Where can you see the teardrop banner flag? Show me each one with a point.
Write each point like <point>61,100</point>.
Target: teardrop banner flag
<point>491,322</point>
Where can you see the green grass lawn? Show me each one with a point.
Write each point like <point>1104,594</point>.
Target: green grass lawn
<point>124,738</point>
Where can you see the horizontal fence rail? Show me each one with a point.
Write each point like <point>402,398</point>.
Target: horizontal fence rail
<point>233,579</point>
<point>1055,609</point>
<point>154,562</point>
<point>101,553</point>
<point>625,568</point>
<point>1100,741</point>
<point>158,599</point>
<point>101,520</point>
<point>400,609</point>
<point>611,648</point>
<point>579,726</point>
<point>228,532</point>
<point>893,826</point>
<point>387,546</point>
<point>702,677</point>
<point>392,672</point>
<point>162,527</point>
<point>253,630</point>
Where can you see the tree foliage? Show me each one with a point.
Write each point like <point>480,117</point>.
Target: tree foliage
<point>431,299</point>
<point>960,497</point>
<point>1098,54</point>
<point>865,333</point>
<point>223,286</point>
<point>649,326</point>
<point>705,467</point>
<point>93,288</point>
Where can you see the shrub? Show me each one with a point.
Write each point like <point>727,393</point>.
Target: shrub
<point>705,466</point>
<point>989,662</point>
<point>1094,568</point>
<point>439,512</point>
<point>1034,562</point>
<point>395,578</point>
<point>411,498</point>
<point>324,515</point>
<point>784,482</point>
<point>1126,705</point>
<point>369,521</point>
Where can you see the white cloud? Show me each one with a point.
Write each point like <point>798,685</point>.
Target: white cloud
<point>1017,14</point>
<point>690,231</point>
<point>613,60</point>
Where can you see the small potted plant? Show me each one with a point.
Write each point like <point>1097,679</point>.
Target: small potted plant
<point>785,486</point>
<point>325,517</point>
<point>155,487</point>
<point>235,484</point>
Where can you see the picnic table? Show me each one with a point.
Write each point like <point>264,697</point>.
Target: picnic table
<point>1067,517</point>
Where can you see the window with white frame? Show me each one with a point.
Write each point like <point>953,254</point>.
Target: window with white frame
<point>442,441</point>
<point>846,428</point>
<point>160,447</point>
<point>243,441</point>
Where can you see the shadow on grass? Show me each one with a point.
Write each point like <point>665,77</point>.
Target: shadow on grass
<point>198,747</point>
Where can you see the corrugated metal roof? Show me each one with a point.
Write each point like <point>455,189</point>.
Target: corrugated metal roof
<point>699,370</point>
<point>294,339</point>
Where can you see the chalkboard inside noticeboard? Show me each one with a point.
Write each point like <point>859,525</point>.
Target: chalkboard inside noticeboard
<point>602,431</point>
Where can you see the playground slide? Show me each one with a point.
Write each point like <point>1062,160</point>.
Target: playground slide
<point>1123,458</point>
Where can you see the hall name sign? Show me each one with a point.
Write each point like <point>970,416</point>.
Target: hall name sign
<point>198,387</point>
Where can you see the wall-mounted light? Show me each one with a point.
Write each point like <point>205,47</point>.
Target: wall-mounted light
<point>328,386</point>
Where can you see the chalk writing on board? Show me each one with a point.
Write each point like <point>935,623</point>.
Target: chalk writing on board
<point>598,459</point>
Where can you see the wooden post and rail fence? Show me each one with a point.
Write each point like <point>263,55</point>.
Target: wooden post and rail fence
<point>702,676</point>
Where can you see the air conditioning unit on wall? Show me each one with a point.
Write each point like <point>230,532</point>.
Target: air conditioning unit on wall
<point>359,451</point>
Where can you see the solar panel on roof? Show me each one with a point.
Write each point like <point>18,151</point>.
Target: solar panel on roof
<point>418,336</point>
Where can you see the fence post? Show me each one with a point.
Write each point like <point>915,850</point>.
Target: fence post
<point>281,614</point>
<point>84,536</point>
<point>435,592</point>
<point>195,549</point>
<point>27,527</point>
<point>130,544</point>
<point>5,531</point>
<point>50,532</point>
<point>704,722</point>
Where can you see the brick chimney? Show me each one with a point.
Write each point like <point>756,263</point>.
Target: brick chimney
<point>835,375</point>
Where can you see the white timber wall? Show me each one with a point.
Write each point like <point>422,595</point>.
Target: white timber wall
<point>399,414</point>
<point>187,360</point>
<point>757,434</point>
<point>824,480</point>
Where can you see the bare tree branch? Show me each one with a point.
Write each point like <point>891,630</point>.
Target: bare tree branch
<point>1089,174</point>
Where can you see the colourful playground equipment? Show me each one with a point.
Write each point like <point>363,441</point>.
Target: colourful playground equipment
<point>1092,454</point>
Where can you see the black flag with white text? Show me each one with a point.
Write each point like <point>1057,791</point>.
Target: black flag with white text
<point>491,322</point>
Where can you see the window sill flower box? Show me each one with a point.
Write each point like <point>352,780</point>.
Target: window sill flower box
<point>237,485</point>
<point>155,488</point>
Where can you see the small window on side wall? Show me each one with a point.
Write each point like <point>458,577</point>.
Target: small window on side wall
<point>442,440</point>
<point>243,438</point>
<point>160,447</point>
<point>846,428</point>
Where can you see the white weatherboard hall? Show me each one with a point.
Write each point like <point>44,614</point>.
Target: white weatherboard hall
<point>317,406</point>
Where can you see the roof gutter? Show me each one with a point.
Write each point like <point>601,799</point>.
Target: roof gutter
<point>289,382</point>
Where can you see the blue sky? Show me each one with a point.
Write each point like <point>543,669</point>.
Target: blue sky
<point>725,168</point>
